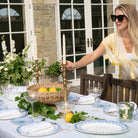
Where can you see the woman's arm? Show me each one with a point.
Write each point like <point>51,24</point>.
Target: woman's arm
<point>87,59</point>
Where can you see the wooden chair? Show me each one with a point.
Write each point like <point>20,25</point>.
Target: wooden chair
<point>114,90</point>
<point>120,90</point>
<point>88,80</point>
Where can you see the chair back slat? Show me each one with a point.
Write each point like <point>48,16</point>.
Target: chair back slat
<point>114,90</point>
<point>123,90</point>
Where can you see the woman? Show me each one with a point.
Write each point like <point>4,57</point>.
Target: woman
<point>121,47</point>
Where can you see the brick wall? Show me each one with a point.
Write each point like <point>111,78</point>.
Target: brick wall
<point>45,29</point>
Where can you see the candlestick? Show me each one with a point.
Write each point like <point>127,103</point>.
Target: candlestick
<point>35,40</point>
<point>36,71</point>
<point>64,49</point>
<point>65,83</point>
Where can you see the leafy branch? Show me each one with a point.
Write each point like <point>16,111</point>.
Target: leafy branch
<point>39,108</point>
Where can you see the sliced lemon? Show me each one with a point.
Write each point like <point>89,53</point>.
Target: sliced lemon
<point>68,117</point>
<point>52,89</point>
<point>42,90</point>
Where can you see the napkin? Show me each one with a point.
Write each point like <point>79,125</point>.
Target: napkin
<point>37,127</point>
<point>86,99</point>
<point>9,113</point>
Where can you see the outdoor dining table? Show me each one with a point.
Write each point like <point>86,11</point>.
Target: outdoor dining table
<point>8,130</point>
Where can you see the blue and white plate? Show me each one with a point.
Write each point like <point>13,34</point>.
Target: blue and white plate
<point>101,105</point>
<point>3,107</point>
<point>75,98</point>
<point>54,128</point>
<point>6,114</point>
<point>101,127</point>
<point>21,120</point>
<point>1,102</point>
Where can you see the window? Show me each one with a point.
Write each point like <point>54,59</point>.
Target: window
<point>85,24</point>
<point>15,24</point>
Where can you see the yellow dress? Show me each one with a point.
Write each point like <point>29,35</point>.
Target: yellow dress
<point>117,55</point>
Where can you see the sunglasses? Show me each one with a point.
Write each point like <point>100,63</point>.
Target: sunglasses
<point>119,17</point>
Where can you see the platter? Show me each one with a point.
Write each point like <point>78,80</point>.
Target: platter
<point>21,120</point>
<point>6,114</point>
<point>82,100</point>
<point>38,128</point>
<point>101,127</point>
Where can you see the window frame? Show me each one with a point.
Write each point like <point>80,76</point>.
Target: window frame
<point>29,26</point>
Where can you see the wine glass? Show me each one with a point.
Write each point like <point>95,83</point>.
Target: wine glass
<point>31,98</point>
<point>95,92</point>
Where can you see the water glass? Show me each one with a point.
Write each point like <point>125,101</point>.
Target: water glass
<point>126,111</point>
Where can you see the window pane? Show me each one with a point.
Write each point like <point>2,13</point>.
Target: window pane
<point>19,42</point>
<point>107,1</point>
<point>69,42</point>
<point>97,38</point>
<point>108,31</point>
<point>3,1</point>
<point>96,16</point>
<point>80,46</point>
<point>16,13</point>
<point>78,14</point>
<point>65,1</point>
<point>78,1</point>
<point>98,64</point>
<point>65,17</point>
<point>16,1</point>
<point>95,1</point>
<point>70,73</point>
<point>78,71</point>
<point>4,25</point>
<point>108,10</point>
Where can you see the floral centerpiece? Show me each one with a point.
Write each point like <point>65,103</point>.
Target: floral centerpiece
<point>15,69</point>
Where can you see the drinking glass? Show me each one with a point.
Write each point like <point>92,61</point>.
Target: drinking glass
<point>126,111</point>
<point>31,98</point>
<point>64,107</point>
<point>6,92</point>
<point>95,92</point>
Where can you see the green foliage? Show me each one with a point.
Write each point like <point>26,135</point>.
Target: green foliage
<point>39,108</point>
<point>54,69</point>
<point>15,69</point>
<point>81,116</point>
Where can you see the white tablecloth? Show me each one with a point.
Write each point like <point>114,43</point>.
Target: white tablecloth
<point>8,130</point>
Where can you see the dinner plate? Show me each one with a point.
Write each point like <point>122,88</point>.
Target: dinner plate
<point>3,107</point>
<point>1,102</point>
<point>6,114</point>
<point>46,131</point>
<point>101,127</point>
<point>75,100</point>
<point>101,105</point>
<point>21,120</point>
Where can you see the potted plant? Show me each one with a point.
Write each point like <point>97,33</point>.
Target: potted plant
<point>15,70</point>
<point>53,71</point>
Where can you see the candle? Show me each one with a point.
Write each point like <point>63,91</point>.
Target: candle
<point>64,50</point>
<point>35,43</point>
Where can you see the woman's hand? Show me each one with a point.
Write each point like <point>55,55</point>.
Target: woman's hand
<point>69,65</point>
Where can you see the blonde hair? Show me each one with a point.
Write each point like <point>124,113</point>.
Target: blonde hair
<point>132,15</point>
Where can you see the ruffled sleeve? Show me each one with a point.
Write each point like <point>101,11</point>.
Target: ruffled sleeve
<point>110,44</point>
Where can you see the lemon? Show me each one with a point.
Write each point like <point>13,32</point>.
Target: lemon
<point>52,89</point>
<point>68,117</point>
<point>42,90</point>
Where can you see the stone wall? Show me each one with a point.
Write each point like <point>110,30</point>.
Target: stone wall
<point>45,29</point>
<point>127,2</point>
